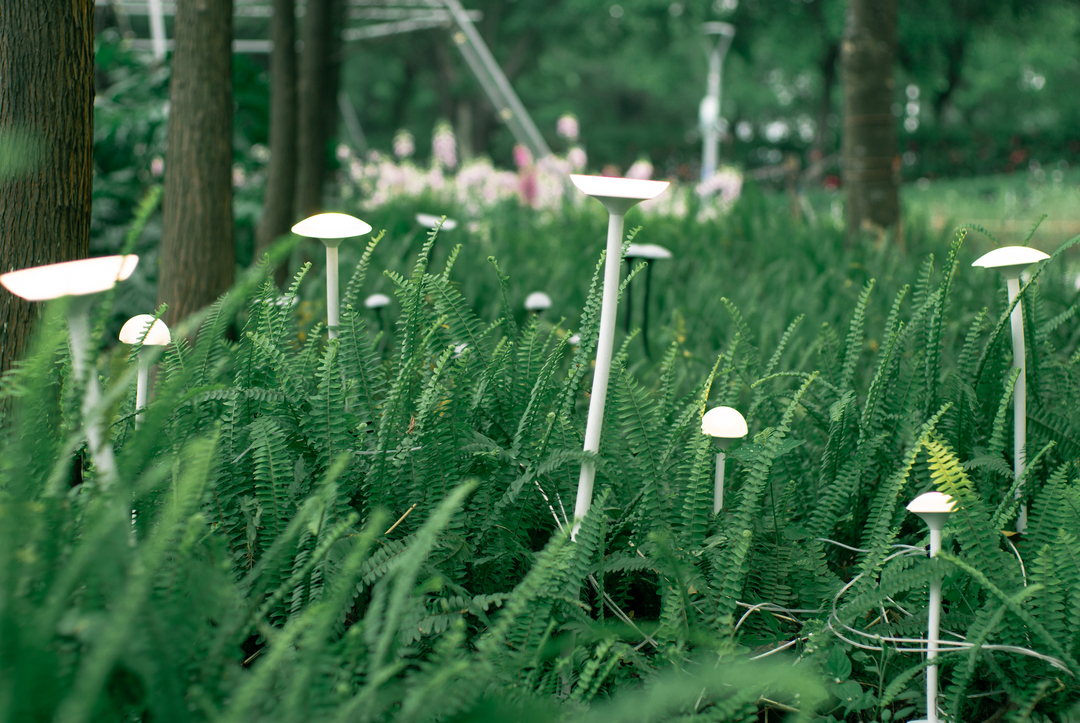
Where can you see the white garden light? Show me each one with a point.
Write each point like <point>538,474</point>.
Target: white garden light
<point>934,508</point>
<point>647,253</point>
<point>151,332</point>
<point>618,195</point>
<point>331,229</point>
<point>723,424</point>
<point>537,301</point>
<point>1011,261</point>
<point>428,220</point>
<point>78,279</point>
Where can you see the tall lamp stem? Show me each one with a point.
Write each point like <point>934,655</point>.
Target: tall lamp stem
<point>604,347</point>
<point>1019,394</point>
<point>332,290</point>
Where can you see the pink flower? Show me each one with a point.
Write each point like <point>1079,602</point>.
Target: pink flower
<point>444,146</point>
<point>576,157</point>
<point>522,157</point>
<point>157,166</point>
<point>567,127</point>
<point>404,146</point>
<point>641,170</point>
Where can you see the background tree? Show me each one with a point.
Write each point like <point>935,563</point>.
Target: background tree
<point>197,250</point>
<point>46,146</point>
<point>318,82</point>
<point>870,160</point>
<point>278,215</point>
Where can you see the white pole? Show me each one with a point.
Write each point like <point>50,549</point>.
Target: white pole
<point>332,290</point>
<point>1019,394</point>
<point>711,116</point>
<point>100,451</point>
<point>604,346</point>
<point>934,615</point>
<point>718,487</point>
<point>141,387</point>
<point>157,29</point>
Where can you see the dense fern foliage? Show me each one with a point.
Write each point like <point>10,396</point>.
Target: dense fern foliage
<point>375,527</point>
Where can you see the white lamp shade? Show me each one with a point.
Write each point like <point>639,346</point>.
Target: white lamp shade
<point>376,301</point>
<point>647,251</point>
<point>69,278</point>
<point>1011,260</point>
<point>136,326</point>
<point>537,301</point>
<point>619,195</point>
<point>723,423</point>
<point>933,507</point>
<point>428,220</point>
<point>331,226</point>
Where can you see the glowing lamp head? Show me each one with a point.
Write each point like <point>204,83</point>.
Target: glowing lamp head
<point>69,278</point>
<point>647,252</point>
<point>723,424</point>
<point>377,301</point>
<point>933,507</point>
<point>331,228</point>
<point>618,195</point>
<point>1011,260</point>
<point>155,331</point>
<point>428,220</point>
<point>537,301</point>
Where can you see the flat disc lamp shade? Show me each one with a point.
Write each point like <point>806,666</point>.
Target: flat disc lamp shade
<point>618,195</point>
<point>537,301</point>
<point>69,278</point>
<point>933,507</point>
<point>1011,260</point>
<point>648,252</point>
<point>376,301</point>
<point>135,327</point>
<point>428,220</point>
<point>331,228</point>
<point>723,424</point>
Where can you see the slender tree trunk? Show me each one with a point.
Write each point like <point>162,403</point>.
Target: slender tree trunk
<point>46,147</point>
<point>278,214</point>
<point>824,139</point>
<point>870,160</point>
<point>315,94</point>
<point>198,253</point>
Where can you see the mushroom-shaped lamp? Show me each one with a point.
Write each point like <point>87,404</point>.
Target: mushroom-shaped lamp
<point>428,220</point>
<point>723,424</point>
<point>537,301</point>
<point>331,229</point>
<point>618,195</point>
<point>377,301</point>
<point>647,253</point>
<point>148,331</point>
<point>78,278</point>
<point>1011,261</point>
<point>934,508</point>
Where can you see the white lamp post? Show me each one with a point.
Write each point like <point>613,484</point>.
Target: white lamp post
<point>934,508</point>
<point>151,332</point>
<point>618,195</point>
<point>331,229</point>
<point>647,253</point>
<point>1011,261</point>
<point>709,111</point>
<point>78,278</point>
<point>537,302</point>
<point>723,424</point>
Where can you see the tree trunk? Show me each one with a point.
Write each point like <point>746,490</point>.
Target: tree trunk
<point>46,147</point>
<point>870,161</point>
<point>198,254</point>
<point>278,215</point>
<point>824,138</point>
<point>315,96</point>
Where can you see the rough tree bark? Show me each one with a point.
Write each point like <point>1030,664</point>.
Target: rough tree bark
<point>870,161</point>
<point>197,248</point>
<point>316,91</point>
<point>278,215</point>
<point>46,147</point>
